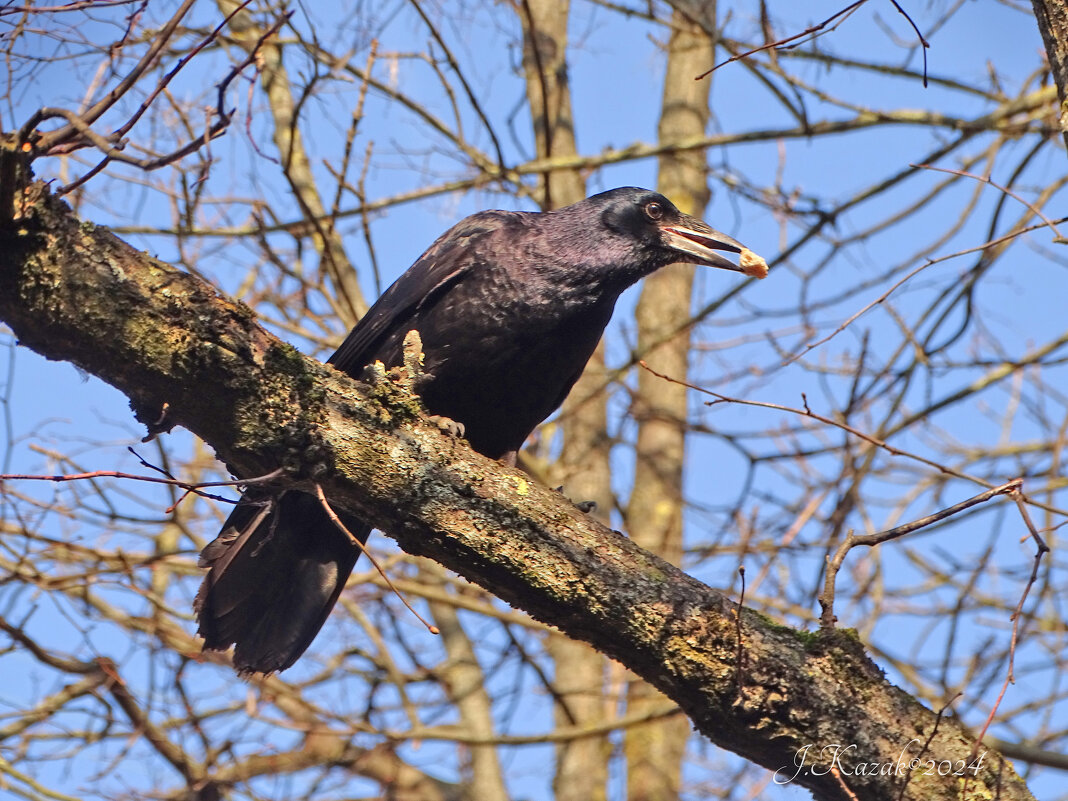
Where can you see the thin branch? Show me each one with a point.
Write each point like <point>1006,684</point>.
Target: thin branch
<point>780,43</point>
<point>834,563</point>
<point>987,180</point>
<point>94,112</point>
<point>1041,549</point>
<point>174,482</point>
<point>898,284</point>
<point>879,443</point>
<point>471,97</point>
<point>363,548</point>
<point>79,5</point>
<point>924,44</point>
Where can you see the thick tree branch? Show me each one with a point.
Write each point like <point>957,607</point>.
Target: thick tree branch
<point>1052,20</point>
<point>73,291</point>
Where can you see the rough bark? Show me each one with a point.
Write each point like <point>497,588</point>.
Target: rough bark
<point>1052,16</point>
<point>654,512</point>
<point>187,356</point>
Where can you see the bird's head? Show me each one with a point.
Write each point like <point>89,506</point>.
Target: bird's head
<point>664,235</point>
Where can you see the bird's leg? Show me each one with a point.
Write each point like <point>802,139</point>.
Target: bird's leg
<point>413,369</point>
<point>587,507</point>
<point>413,361</point>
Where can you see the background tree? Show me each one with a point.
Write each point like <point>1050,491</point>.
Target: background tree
<point>910,343</point>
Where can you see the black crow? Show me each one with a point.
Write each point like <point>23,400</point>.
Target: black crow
<point>509,306</point>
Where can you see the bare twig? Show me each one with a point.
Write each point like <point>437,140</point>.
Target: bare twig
<point>987,180</point>
<point>927,743</point>
<point>196,488</point>
<point>363,548</point>
<point>78,132</point>
<point>912,274</point>
<point>739,663</point>
<point>807,412</point>
<point>471,96</point>
<point>1041,549</point>
<point>924,44</point>
<point>780,43</point>
<point>834,563</point>
<point>79,5</point>
<point>94,112</point>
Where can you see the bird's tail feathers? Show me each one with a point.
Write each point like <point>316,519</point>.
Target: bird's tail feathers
<point>274,573</point>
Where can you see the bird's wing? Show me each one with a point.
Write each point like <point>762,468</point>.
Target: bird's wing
<point>451,256</point>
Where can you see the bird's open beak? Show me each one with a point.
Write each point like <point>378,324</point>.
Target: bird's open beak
<point>698,243</point>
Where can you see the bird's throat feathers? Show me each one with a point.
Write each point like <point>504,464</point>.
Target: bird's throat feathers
<point>587,256</point>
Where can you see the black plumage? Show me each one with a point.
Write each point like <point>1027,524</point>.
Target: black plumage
<point>509,307</point>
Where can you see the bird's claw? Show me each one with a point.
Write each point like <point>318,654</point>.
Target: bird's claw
<point>586,507</point>
<point>448,425</point>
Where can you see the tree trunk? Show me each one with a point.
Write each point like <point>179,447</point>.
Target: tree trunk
<point>583,468</point>
<point>654,513</point>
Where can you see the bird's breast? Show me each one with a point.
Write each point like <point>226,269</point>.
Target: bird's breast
<point>501,359</point>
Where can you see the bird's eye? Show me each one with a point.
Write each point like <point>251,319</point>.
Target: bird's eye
<point>654,211</point>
